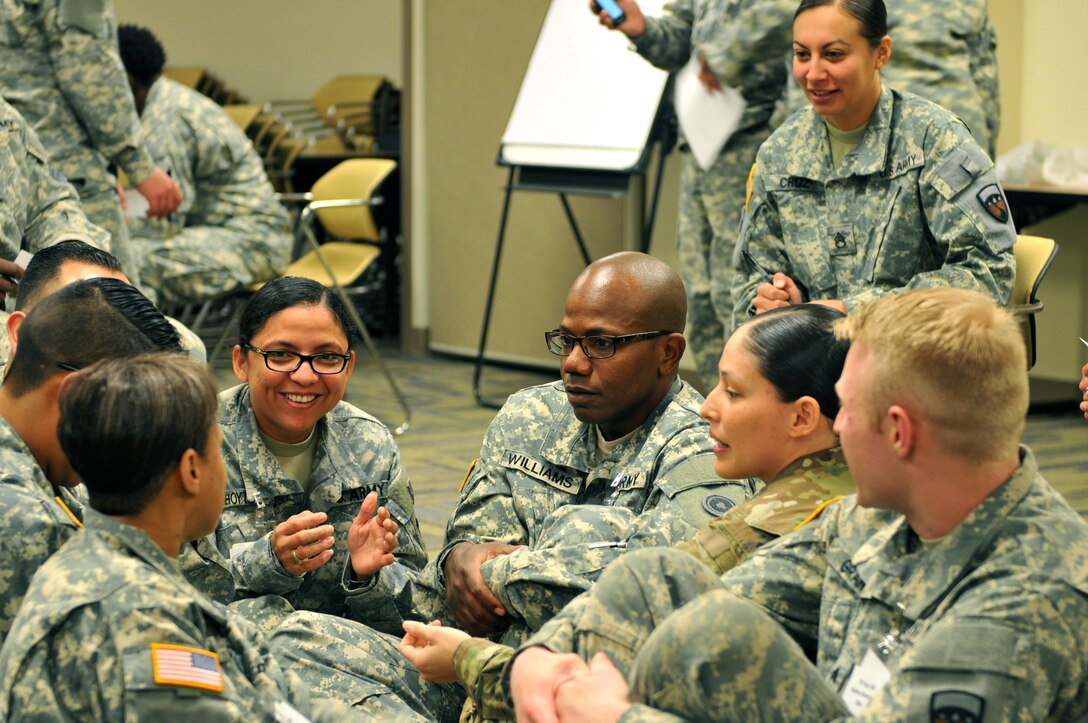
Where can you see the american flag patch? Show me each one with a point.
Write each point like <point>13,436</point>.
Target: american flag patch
<point>190,667</point>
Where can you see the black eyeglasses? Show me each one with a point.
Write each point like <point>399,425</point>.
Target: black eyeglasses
<point>280,360</point>
<point>594,346</point>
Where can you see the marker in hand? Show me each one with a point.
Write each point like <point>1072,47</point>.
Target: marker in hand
<point>750,260</point>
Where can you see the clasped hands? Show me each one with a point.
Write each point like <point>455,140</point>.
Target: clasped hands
<point>547,687</point>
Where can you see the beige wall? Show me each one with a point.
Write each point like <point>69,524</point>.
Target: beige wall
<point>270,49</point>
<point>1007,17</point>
<point>1044,92</point>
<point>1054,95</point>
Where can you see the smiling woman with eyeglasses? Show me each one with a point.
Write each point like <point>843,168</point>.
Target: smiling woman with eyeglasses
<point>302,464</point>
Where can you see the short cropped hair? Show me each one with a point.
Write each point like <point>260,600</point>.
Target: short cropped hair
<point>141,53</point>
<point>81,324</point>
<point>953,357</point>
<point>125,424</point>
<point>45,267</point>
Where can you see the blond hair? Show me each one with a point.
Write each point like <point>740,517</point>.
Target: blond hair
<point>954,358</point>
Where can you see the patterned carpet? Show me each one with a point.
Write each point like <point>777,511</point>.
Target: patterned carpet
<point>447,427</point>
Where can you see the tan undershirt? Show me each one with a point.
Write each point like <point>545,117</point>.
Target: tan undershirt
<point>297,460</point>
<point>842,142</point>
<point>605,447</point>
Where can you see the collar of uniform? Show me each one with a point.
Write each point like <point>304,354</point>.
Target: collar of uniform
<point>571,443</point>
<point>807,130</point>
<point>941,565</point>
<point>240,430</point>
<point>19,463</point>
<point>158,89</point>
<point>818,477</point>
<point>141,546</point>
<point>871,154</point>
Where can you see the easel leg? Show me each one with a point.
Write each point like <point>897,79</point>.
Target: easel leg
<point>574,227</point>
<point>478,366</point>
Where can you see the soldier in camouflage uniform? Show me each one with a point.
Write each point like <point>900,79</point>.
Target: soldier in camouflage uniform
<point>946,53</point>
<point>47,211</point>
<point>230,231</point>
<point>741,44</point>
<point>59,68</point>
<point>619,442</point>
<point>40,503</point>
<point>111,630</point>
<point>291,446</point>
<point>953,587</point>
<point>897,195</point>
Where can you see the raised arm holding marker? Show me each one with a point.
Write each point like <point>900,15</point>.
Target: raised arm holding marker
<point>750,260</point>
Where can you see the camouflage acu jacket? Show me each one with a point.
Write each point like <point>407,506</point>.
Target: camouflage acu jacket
<point>355,455</point>
<point>112,632</point>
<point>996,612</point>
<point>916,204</point>
<point>36,524</point>
<point>60,68</point>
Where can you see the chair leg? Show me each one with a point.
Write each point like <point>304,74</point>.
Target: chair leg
<point>228,327</point>
<point>201,315</point>
<point>369,342</point>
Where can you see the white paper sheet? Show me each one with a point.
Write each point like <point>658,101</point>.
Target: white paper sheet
<point>136,204</point>
<point>707,118</point>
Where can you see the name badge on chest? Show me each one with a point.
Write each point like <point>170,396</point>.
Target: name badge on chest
<point>558,477</point>
<point>866,680</point>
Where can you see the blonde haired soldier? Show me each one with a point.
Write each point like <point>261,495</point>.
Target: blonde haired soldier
<point>954,586</point>
<point>945,364</point>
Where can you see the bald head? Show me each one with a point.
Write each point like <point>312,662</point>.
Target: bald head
<point>649,290</point>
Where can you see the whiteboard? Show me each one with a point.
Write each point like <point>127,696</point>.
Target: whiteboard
<point>587,100</point>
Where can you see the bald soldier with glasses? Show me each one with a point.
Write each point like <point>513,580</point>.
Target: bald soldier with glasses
<point>572,473</point>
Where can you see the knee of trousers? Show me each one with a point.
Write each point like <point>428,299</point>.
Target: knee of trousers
<point>719,637</point>
<point>665,578</point>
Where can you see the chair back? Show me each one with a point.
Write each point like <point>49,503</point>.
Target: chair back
<point>191,77</point>
<point>243,113</point>
<point>343,88</point>
<point>1034,255</point>
<point>356,178</point>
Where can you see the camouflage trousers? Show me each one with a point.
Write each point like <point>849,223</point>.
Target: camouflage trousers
<point>711,202</point>
<point>202,262</point>
<point>341,660</point>
<point>689,647</point>
<point>103,208</point>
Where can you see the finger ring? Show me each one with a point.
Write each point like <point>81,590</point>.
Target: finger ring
<point>294,556</point>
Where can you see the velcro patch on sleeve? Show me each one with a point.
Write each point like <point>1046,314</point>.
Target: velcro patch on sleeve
<point>187,667</point>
